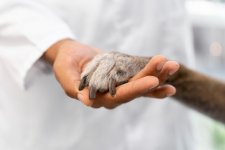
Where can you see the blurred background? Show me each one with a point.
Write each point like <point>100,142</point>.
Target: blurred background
<point>208,25</point>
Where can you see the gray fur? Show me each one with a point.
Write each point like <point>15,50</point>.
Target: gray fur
<point>108,70</point>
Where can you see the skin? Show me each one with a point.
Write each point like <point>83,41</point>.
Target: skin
<point>69,58</point>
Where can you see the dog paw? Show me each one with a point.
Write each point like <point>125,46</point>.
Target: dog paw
<point>109,70</point>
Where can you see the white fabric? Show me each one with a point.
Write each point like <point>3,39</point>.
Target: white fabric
<point>41,117</point>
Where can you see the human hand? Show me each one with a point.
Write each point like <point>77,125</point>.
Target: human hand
<point>109,70</point>
<point>68,59</point>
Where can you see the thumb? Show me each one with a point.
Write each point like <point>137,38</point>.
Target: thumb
<point>153,67</point>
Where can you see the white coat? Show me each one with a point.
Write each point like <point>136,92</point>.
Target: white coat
<point>35,114</point>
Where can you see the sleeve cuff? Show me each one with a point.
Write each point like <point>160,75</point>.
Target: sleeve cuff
<point>28,30</point>
<point>35,56</point>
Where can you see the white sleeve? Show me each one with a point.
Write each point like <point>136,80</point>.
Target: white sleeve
<point>27,29</point>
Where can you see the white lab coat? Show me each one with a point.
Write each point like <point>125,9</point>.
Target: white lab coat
<point>35,114</point>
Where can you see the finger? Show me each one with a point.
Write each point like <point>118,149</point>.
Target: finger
<point>130,90</point>
<point>125,92</point>
<point>152,68</point>
<point>162,91</point>
<point>169,68</point>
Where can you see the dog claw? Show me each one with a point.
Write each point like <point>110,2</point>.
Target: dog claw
<point>83,83</point>
<point>112,87</point>
<point>92,92</point>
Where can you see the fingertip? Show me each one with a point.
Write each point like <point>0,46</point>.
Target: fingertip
<point>171,90</point>
<point>84,98</point>
<point>158,60</point>
<point>176,67</point>
<point>153,67</point>
<point>162,92</point>
<point>152,81</point>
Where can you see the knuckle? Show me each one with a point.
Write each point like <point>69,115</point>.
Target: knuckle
<point>153,79</point>
<point>159,56</point>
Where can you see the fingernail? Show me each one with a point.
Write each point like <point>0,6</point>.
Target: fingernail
<point>172,72</point>
<point>160,66</point>
<point>80,97</point>
<point>152,88</point>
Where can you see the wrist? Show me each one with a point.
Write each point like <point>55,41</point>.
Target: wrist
<point>52,51</point>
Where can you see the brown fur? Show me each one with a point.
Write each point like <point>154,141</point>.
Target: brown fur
<point>199,91</point>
